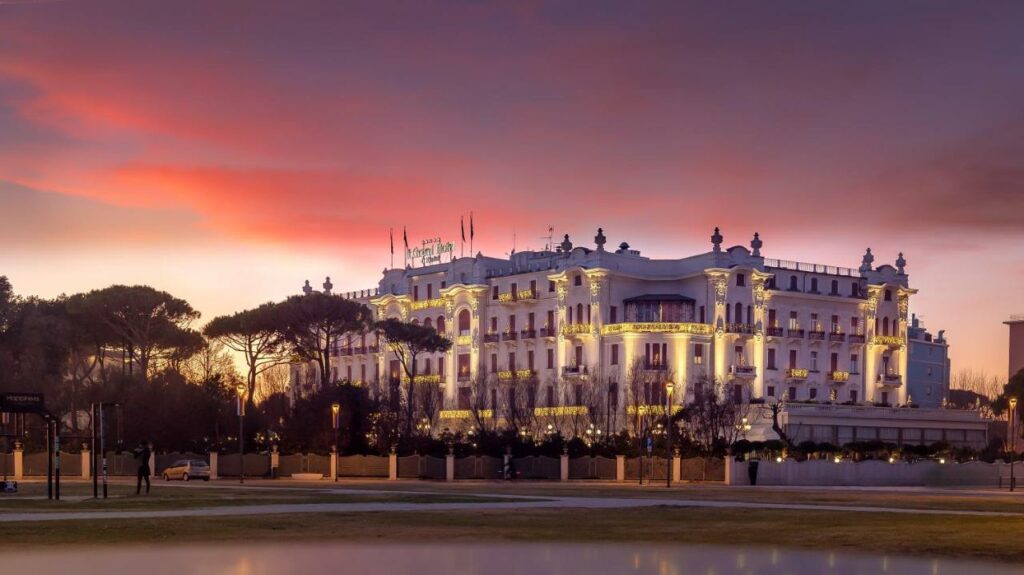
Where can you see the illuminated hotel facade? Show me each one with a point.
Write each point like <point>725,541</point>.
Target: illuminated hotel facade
<point>583,321</point>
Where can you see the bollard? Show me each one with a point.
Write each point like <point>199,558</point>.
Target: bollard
<point>213,464</point>
<point>86,464</point>
<point>334,464</point>
<point>392,466</point>
<point>620,468</point>
<point>275,461</point>
<point>563,474</point>
<point>449,467</point>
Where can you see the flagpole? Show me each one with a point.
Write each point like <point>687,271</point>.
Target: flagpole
<point>392,248</point>
<point>471,233</point>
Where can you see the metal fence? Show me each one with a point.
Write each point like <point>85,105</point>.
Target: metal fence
<point>538,467</point>
<point>362,466</point>
<point>421,467</point>
<point>592,468</point>
<point>479,467</point>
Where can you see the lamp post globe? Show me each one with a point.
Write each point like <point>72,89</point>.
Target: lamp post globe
<point>669,388</point>
<point>1011,430</point>
<point>240,389</point>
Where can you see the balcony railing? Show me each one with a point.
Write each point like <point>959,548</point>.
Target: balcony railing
<point>574,370</point>
<point>889,340</point>
<point>744,328</point>
<point>491,337</point>
<point>528,333</point>
<point>359,350</point>
<point>373,349</point>
<point>743,370</point>
<point>547,332</point>
<point>797,373</point>
<point>515,374</point>
<point>839,376</point>
<point>836,336</point>
<point>509,335</point>
<point>816,335</point>
<point>856,338</point>
<point>656,365</point>
<point>795,332</point>
<point>521,295</point>
<point>464,340</point>
<point>575,328</point>
<point>892,379</point>
<point>775,331</point>
<point>464,376</point>
<point>345,351</point>
<point>656,327</point>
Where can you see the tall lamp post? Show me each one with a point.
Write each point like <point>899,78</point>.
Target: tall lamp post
<point>669,386</point>
<point>335,421</point>
<point>1012,424</point>
<point>240,390</point>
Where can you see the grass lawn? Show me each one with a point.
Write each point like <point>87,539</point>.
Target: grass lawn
<point>962,537</point>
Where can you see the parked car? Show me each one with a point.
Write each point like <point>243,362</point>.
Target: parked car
<point>186,469</point>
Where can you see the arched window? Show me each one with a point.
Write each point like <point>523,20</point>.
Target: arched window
<point>579,313</point>
<point>739,313</point>
<point>885,326</point>
<point>464,322</point>
<point>429,323</point>
<point>415,321</point>
<point>440,325</point>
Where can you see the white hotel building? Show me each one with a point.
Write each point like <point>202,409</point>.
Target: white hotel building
<point>584,317</point>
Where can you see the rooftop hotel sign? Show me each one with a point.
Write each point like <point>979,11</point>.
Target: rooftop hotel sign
<point>430,251</point>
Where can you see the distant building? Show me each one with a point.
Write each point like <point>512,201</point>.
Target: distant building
<point>1016,323</point>
<point>927,366</point>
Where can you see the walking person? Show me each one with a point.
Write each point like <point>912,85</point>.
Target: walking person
<point>142,453</point>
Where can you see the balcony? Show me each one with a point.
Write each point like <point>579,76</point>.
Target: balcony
<point>775,332</point>
<point>576,329</point>
<point>528,334</point>
<point>491,337</point>
<point>464,376</point>
<point>888,340</point>
<point>743,370</point>
<point>837,337</point>
<point>655,366</point>
<point>742,328</point>
<point>547,332</point>
<point>509,336</point>
<point>891,379</point>
<point>574,371</point>
<point>795,332</point>
<point>373,349</point>
<point>516,374</point>
<point>839,376</point>
<point>464,340</point>
<point>797,373</point>
<point>856,338</point>
<point>345,351</point>
<point>359,350</point>
<point>816,335</point>
<point>521,295</point>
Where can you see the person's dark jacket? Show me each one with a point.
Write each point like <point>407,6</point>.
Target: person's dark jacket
<point>142,454</point>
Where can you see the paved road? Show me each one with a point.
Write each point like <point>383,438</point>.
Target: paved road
<point>508,502</point>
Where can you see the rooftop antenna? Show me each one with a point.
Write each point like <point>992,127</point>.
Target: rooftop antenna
<point>550,238</point>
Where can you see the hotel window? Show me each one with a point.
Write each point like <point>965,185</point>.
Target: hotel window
<point>813,393</point>
<point>514,290</point>
<point>511,361</point>
<point>362,373</point>
<point>579,356</point>
<point>815,326</point>
<point>834,362</point>
<point>533,288</point>
<point>792,393</point>
<point>854,289</point>
<point>430,291</point>
<point>444,284</point>
<point>494,292</point>
<point>551,286</point>
<point>773,320</point>
<point>835,324</point>
<point>348,373</point>
<point>741,280</point>
<point>854,363</point>
<point>853,395</point>
<point>738,355</point>
<point>792,359</point>
<point>415,293</point>
<point>888,295</point>
<point>855,325</point>
<point>465,395</point>
<point>885,397</point>
<point>588,314</point>
<point>615,354</point>
<point>579,313</point>
<point>728,313</point>
<point>577,280</point>
<point>511,324</point>
<point>530,322</point>
<point>494,325</point>
<point>440,367</point>
<point>835,287</point>
<point>814,285</point>
<point>698,354</point>
<point>703,317</point>
<point>814,361</point>
<point>750,315</point>
<point>551,359</point>
<point>426,366</point>
<point>551,319</point>
<point>771,283</point>
<point>885,326</point>
<point>440,324</point>
<point>464,321</point>
<point>494,363</point>
<point>771,358</point>
<point>737,394</point>
<point>529,360</point>
<point>794,320</point>
<point>569,312</point>
<point>613,314</point>
<point>792,283</point>
<point>771,391</point>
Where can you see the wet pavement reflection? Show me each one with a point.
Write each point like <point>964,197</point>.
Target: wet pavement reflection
<point>478,558</point>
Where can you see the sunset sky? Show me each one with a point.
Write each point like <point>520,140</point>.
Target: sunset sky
<point>227,151</point>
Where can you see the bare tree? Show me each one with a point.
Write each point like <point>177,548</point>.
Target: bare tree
<point>271,381</point>
<point>482,408</point>
<point>714,416</point>
<point>514,397</point>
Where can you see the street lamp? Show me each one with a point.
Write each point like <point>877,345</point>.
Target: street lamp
<point>335,420</point>
<point>1012,424</point>
<point>240,389</point>
<point>669,386</point>
<point>743,427</point>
